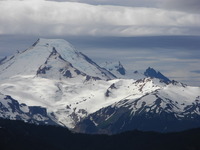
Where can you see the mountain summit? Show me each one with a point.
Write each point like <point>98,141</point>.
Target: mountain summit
<point>52,83</point>
<point>150,72</point>
<point>31,60</point>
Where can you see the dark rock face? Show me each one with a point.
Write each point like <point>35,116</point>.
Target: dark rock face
<point>115,119</point>
<point>113,86</point>
<point>120,69</point>
<point>34,44</point>
<point>38,110</point>
<point>91,78</point>
<point>120,122</point>
<point>67,74</point>
<point>108,92</point>
<point>88,59</point>
<point>2,60</point>
<point>42,70</point>
<point>77,72</point>
<point>11,109</point>
<point>150,72</point>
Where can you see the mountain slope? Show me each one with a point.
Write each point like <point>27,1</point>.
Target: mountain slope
<point>166,109</point>
<point>28,61</point>
<point>116,68</point>
<point>56,67</point>
<point>11,109</point>
<point>150,72</point>
<point>77,93</point>
<point>121,72</point>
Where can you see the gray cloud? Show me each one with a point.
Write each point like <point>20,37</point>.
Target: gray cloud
<point>53,18</point>
<point>182,5</point>
<point>103,30</point>
<point>131,3</point>
<point>179,5</point>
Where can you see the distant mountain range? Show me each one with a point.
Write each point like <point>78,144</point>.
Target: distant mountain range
<point>52,83</point>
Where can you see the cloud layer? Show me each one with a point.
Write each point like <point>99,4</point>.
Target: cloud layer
<point>41,17</point>
<point>180,5</point>
<point>107,24</point>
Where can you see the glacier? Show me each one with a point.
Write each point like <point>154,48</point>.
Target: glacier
<point>71,87</point>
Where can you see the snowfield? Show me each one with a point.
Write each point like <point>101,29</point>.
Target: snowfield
<point>53,75</point>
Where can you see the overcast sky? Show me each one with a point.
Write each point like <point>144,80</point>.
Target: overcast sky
<point>40,17</point>
<point>164,34</point>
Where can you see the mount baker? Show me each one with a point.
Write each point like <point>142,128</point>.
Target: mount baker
<point>52,83</point>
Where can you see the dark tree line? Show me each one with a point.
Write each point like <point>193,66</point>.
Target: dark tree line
<point>19,135</point>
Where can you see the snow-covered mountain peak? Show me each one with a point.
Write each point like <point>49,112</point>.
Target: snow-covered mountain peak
<point>150,72</point>
<point>69,87</point>
<point>12,109</point>
<point>116,68</point>
<point>121,72</point>
<point>57,68</point>
<point>29,61</point>
<point>63,47</point>
<point>52,42</point>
